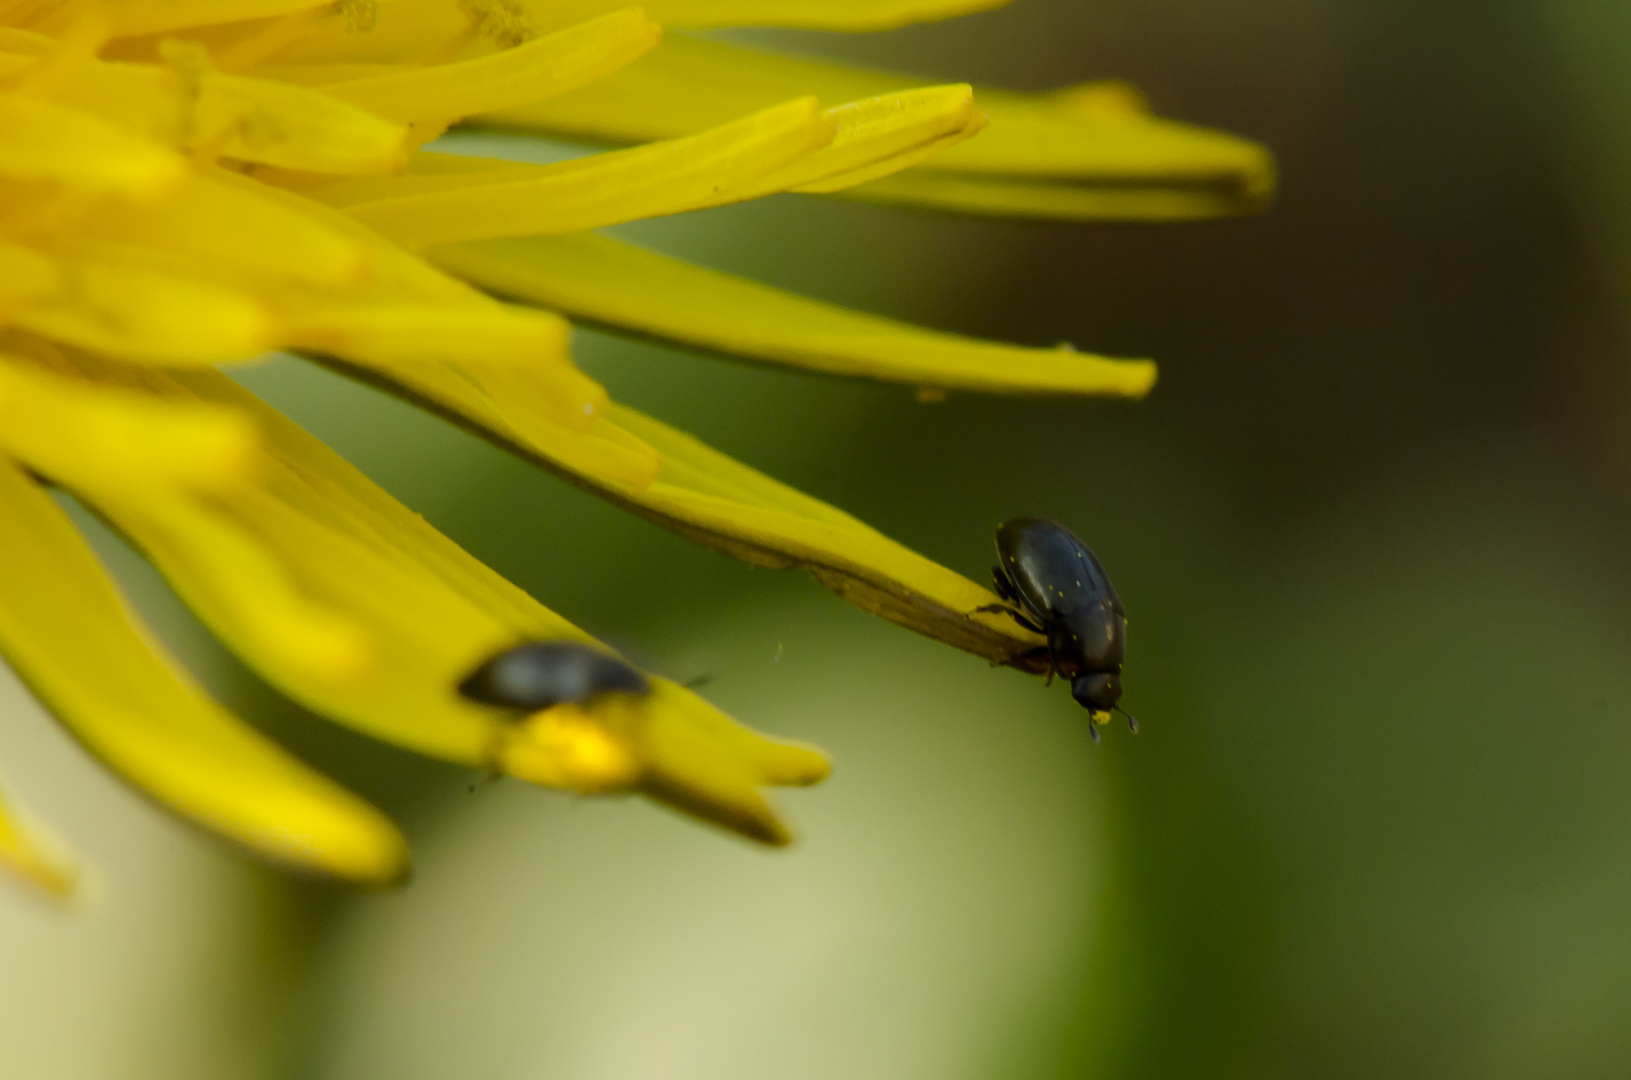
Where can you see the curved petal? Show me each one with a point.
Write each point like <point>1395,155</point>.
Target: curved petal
<point>708,497</point>
<point>541,68</point>
<point>1091,143</point>
<point>244,584</point>
<point>72,639</point>
<point>144,313</point>
<point>519,200</point>
<point>848,15</point>
<point>611,282</point>
<point>248,119</point>
<point>876,136</point>
<point>41,140</point>
<point>234,227</point>
<point>133,17</point>
<point>430,613</point>
<point>119,440</point>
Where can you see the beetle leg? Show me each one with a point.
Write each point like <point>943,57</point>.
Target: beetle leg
<point>1004,609</point>
<point>1004,585</point>
<point>1053,665</point>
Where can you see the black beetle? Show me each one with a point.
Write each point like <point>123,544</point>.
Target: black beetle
<point>539,674</point>
<point>1062,592</point>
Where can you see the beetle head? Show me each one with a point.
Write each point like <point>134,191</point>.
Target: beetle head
<point>1096,690</point>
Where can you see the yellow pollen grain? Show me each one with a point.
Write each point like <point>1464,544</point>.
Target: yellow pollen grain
<point>500,21</point>
<point>361,16</point>
<point>568,747</point>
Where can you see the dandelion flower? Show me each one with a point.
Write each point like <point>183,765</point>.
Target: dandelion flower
<point>192,182</point>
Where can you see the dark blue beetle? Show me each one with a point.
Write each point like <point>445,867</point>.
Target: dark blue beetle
<point>1060,590</point>
<point>540,674</point>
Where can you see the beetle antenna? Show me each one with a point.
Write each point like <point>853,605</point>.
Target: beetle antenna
<point>1132,721</point>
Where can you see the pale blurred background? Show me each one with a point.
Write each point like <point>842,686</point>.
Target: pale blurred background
<point>1372,529</point>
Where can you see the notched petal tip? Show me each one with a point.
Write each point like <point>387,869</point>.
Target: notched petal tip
<point>670,745</point>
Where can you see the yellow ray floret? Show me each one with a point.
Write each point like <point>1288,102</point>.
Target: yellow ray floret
<point>190,182</point>
<point>724,505</point>
<point>620,285</point>
<point>25,277</point>
<point>875,136</point>
<point>785,147</point>
<point>45,141</point>
<point>185,103</point>
<point>517,200</point>
<point>71,638</point>
<point>115,301</point>
<point>706,496</point>
<point>34,855</point>
<point>1088,152</point>
<point>418,28</point>
<point>850,15</point>
<point>120,441</point>
<point>313,528</point>
<point>133,17</point>
<point>541,68</point>
<point>217,219</point>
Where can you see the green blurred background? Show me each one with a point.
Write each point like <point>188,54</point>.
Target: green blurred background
<point>1371,529</point>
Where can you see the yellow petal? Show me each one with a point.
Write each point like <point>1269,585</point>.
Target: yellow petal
<point>876,136</point>
<point>397,31</point>
<point>518,200</point>
<point>144,313</point>
<point>673,746</point>
<point>25,275</point>
<point>42,140</point>
<point>14,39</point>
<point>390,274</point>
<point>34,855</point>
<point>894,163</point>
<point>1077,143</point>
<point>707,497</point>
<point>412,28</point>
<point>433,613</point>
<point>398,335</point>
<point>872,137</point>
<point>232,226</point>
<point>850,15</point>
<point>256,120</point>
<point>541,68</point>
<point>607,281</point>
<point>716,501</point>
<point>535,410</point>
<point>72,639</point>
<point>1085,153</point>
<point>215,561</point>
<point>701,762</point>
<point>1000,197</point>
<point>120,440</point>
<point>134,17</point>
<point>847,15</point>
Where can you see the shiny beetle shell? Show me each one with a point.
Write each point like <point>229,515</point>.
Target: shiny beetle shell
<point>540,674</point>
<point>1060,585</point>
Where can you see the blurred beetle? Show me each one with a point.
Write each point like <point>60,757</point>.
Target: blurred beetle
<point>539,674</point>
